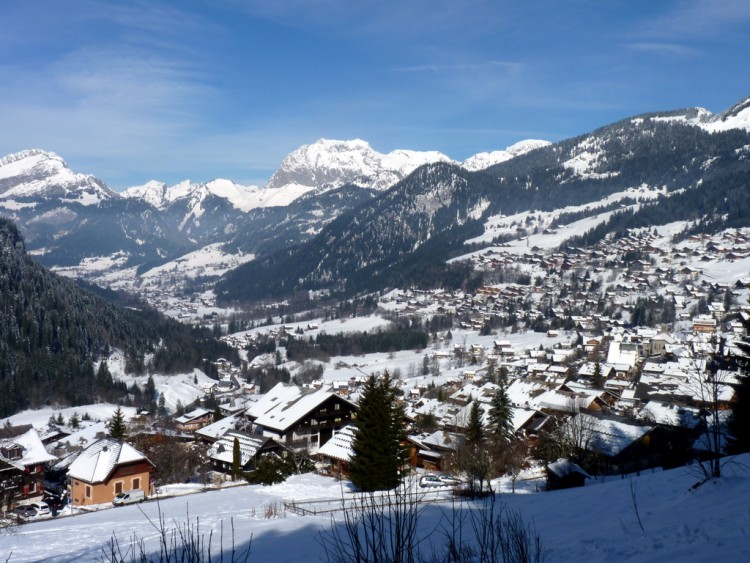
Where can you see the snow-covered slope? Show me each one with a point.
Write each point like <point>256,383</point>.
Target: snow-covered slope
<point>736,117</point>
<point>649,517</point>
<point>37,173</point>
<point>331,164</point>
<point>484,160</point>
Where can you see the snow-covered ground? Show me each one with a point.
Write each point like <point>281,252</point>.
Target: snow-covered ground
<point>598,522</point>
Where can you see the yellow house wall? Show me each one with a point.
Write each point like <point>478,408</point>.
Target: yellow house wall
<point>105,492</point>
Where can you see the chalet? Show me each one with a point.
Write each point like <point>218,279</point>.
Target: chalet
<point>617,444</point>
<point>300,417</point>
<point>335,455</point>
<point>22,466</point>
<point>106,468</point>
<point>564,474</point>
<point>251,448</point>
<point>194,420</point>
<point>429,451</point>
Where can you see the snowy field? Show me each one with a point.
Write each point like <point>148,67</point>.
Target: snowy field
<point>599,522</point>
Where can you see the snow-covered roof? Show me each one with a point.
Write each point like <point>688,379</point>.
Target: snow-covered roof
<point>670,414</point>
<point>217,429</point>
<point>618,354</point>
<point>285,404</point>
<point>192,415</point>
<point>97,462</point>
<point>610,436</point>
<point>340,446</point>
<point>33,449</point>
<point>441,440</point>
<point>223,449</point>
<point>563,467</point>
<point>521,416</point>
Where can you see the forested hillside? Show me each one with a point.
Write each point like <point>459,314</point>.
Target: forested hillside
<point>53,334</point>
<point>404,236</point>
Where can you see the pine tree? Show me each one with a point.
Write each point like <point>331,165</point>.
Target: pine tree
<point>74,421</point>
<point>236,459</point>
<point>501,415</point>
<point>378,455</point>
<point>217,414</point>
<point>739,421</point>
<point>162,408</point>
<point>597,378</point>
<point>116,425</point>
<point>474,432</point>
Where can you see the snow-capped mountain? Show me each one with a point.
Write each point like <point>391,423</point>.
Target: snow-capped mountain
<point>330,164</point>
<point>736,117</point>
<point>37,173</point>
<point>484,160</point>
<point>72,220</point>
<point>405,235</point>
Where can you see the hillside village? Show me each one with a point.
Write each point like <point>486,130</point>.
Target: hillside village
<point>559,339</point>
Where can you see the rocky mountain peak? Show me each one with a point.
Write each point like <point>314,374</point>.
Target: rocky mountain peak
<point>333,163</point>
<point>35,172</point>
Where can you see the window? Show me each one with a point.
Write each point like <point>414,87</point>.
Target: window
<point>88,491</point>
<point>137,483</point>
<point>118,487</point>
<point>337,407</point>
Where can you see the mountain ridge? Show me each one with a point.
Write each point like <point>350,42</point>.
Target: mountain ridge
<point>78,218</point>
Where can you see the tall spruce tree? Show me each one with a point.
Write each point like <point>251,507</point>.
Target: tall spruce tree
<point>116,425</point>
<point>236,459</point>
<point>739,420</point>
<point>501,415</point>
<point>474,432</point>
<point>378,454</point>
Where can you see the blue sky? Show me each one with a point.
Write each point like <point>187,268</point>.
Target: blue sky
<point>139,90</point>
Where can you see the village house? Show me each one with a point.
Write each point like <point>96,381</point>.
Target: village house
<point>335,455</point>
<point>23,462</point>
<point>564,474</point>
<point>105,469</point>
<point>429,451</point>
<point>194,420</point>
<point>302,418</point>
<point>251,448</point>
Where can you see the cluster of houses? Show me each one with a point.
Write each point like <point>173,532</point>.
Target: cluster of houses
<point>562,281</point>
<point>640,403</point>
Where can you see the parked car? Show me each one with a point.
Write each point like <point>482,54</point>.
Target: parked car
<point>42,508</point>
<point>26,511</point>
<point>449,480</point>
<point>430,480</point>
<point>129,497</point>
<point>438,480</point>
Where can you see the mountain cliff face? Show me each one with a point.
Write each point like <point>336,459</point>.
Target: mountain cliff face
<point>36,174</point>
<point>328,164</point>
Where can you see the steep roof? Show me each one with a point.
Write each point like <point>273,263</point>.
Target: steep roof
<point>285,404</point>
<point>33,449</point>
<point>223,449</point>
<point>340,446</point>
<point>97,462</point>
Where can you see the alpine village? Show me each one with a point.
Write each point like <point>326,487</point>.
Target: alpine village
<point>435,333</point>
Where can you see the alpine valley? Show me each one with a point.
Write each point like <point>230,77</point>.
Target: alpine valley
<point>341,218</point>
